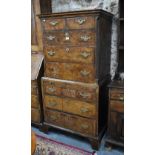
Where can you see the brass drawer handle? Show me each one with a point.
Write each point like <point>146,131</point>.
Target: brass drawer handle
<point>85,38</point>
<point>84,126</point>
<point>51,53</point>
<point>52,104</point>
<point>85,54</point>
<point>121,98</point>
<point>53,118</point>
<point>51,38</point>
<point>80,21</point>
<point>84,95</point>
<point>84,110</point>
<point>52,90</point>
<point>84,73</point>
<point>54,23</point>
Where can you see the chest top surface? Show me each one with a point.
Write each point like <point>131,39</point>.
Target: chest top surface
<point>75,13</point>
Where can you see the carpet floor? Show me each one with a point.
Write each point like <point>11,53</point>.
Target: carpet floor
<point>78,142</point>
<point>45,146</point>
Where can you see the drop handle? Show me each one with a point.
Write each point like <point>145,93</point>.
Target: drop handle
<point>84,73</point>
<point>121,98</point>
<point>84,110</point>
<point>51,53</point>
<point>53,118</point>
<point>84,126</point>
<point>84,95</point>
<point>51,38</point>
<point>80,21</point>
<point>52,104</point>
<point>54,23</point>
<point>85,38</point>
<point>52,90</point>
<point>85,54</point>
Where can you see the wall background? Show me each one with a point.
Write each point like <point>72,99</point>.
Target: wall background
<point>107,5</point>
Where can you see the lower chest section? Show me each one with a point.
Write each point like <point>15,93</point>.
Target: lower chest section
<point>72,105</point>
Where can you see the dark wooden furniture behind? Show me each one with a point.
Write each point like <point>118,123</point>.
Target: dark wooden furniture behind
<point>45,6</point>
<point>115,134</point>
<point>77,70</point>
<point>121,38</point>
<point>36,97</point>
<point>36,34</point>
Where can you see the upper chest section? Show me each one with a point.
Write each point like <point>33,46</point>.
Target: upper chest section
<point>76,20</point>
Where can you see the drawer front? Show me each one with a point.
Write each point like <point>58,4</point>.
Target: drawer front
<point>117,106</point>
<point>35,115</point>
<point>34,88</point>
<point>78,107</point>
<point>70,71</point>
<point>69,54</point>
<point>54,117</point>
<point>74,38</point>
<point>53,24</point>
<point>81,23</point>
<point>52,102</point>
<point>35,101</point>
<point>82,125</point>
<point>117,94</point>
<point>76,90</point>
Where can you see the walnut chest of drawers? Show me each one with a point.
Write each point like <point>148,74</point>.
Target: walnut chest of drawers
<point>115,133</point>
<point>77,69</point>
<point>36,97</point>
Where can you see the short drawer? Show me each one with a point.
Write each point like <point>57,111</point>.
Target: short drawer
<point>87,22</point>
<point>71,71</point>
<point>52,102</point>
<point>54,117</point>
<point>74,38</point>
<point>75,90</point>
<point>78,107</point>
<point>35,101</point>
<point>69,54</point>
<point>53,24</point>
<point>34,88</point>
<point>117,94</point>
<point>35,115</point>
<point>117,106</point>
<point>81,125</point>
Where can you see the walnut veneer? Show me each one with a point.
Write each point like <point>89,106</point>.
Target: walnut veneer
<point>77,69</point>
